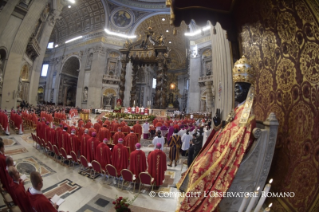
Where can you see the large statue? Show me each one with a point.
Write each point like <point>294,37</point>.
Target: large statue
<point>85,95</point>
<point>215,167</point>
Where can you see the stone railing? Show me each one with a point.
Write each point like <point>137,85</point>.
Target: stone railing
<point>205,78</point>
<point>33,49</point>
<point>109,79</point>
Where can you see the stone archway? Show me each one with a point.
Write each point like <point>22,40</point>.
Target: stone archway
<point>68,82</point>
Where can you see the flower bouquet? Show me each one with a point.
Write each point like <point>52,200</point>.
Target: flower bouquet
<point>122,204</point>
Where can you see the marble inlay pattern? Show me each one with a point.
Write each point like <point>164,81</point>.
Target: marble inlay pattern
<point>10,141</point>
<point>29,164</point>
<point>27,138</point>
<point>64,189</point>
<point>93,205</point>
<point>15,151</point>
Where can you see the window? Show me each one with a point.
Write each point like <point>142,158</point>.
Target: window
<point>154,83</point>
<point>44,71</point>
<point>50,45</point>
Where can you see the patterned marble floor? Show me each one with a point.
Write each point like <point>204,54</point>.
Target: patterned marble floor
<point>81,191</point>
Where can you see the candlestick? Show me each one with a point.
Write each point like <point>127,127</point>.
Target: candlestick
<point>253,200</point>
<point>268,208</point>
<point>263,196</point>
<point>244,203</point>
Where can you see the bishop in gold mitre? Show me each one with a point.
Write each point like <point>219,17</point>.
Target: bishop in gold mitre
<point>215,167</point>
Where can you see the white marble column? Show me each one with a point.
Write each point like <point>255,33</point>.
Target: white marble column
<point>222,71</point>
<point>128,85</point>
<point>35,77</point>
<point>10,82</point>
<point>6,12</point>
<point>194,89</point>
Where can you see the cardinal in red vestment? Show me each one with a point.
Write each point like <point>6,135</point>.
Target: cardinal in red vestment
<point>18,192</point>
<point>66,140</point>
<point>46,131</point>
<point>88,124</point>
<point>91,130</point>
<point>103,154</point>
<point>58,136</point>
<point>75,142</point>
<point>115,125</point>
<point>104,133</point>
<point>37,200</point>
<point>137,161</point>
<point>107,123</point>
<point>80,132</point>
<point>52,135</point>
<point>120,156</point>
<point>80,123</point>
<point>117,136</point>
<point>126,129</point>
<point>138,129</point>
<point>92,143</point>
<point>130,140</point>
<point>84,142</point>
<point>157,164</point>
<point>97,127</point>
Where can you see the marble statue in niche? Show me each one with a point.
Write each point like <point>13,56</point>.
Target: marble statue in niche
<point>85,94</point>
<point>89,61</point>
<point>20,88</point>
<point>111,68</point>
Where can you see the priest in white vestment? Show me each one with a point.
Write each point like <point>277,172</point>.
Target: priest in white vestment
<point>158,139</point>
<point>145,130</point>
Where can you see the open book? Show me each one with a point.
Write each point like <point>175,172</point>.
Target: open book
<point>23,177</point>
<point>57,200</point>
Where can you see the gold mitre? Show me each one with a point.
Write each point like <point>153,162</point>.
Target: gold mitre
<point>243,72</point>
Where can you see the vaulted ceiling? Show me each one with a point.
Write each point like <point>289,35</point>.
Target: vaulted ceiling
<point>82,17</point>
<point>160,24</point>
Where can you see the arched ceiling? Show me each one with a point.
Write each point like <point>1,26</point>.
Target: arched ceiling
<point>84,16</point>
<point>178,41</point>
<point>71,66</point>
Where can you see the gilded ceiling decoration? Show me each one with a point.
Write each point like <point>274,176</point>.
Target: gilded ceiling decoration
<point>177,43</point>
<point>83,17</point>
<point>142,4</point>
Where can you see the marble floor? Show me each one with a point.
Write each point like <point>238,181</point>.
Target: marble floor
<point>80,192</point>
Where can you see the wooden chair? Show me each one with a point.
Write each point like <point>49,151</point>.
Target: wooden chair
<point>146,178</point>
<point>65,156</point>
<point>128,176</point>
<point>97,168</point>
<point>49,148</point>
<point>111,170</point>
<point>74,158</point>
<point>85,164</point>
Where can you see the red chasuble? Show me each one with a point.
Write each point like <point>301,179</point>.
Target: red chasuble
<point>91,148</point>
<point>20,196</point>
<point>46,133</point>
<point>120,157</point>
<point>66,142</point>
<point>3,175</point>
<point>52,137</point>
<point>103,155</point>
<point>75,144</point>
<point>137,162</point>
<point>104,133</point>
<point>130,140</point>
<point>40,203</point>
<point>81,123</point>
<point>126,129</point>
<point>97,127</point>
<point>84,143</point>
<point>114,127</point>
<point>59,137</point>
<point>91,130</point>
<point>138,129</point>
<point>117,136</point>
<point>80,132</point>
<point>157,165</point>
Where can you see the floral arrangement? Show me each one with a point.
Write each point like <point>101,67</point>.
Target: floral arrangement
<point>122,204</point>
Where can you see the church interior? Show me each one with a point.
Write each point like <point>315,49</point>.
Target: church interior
<point>238,75</point>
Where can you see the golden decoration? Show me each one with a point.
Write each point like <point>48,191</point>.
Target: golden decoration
<point>207,53</point>
<point>285,75</point>
<point>280,115</point>
<point>308,62</point>
<point>300,121</point>
<point>109,91</point>
<point>259,113</point>
<point>303,12</point>
<point>286,26</point>
<point>268,44</point>
<point>243,72</point>
<point>265,82</point>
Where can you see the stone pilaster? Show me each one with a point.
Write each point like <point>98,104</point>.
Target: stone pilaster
<point>122,78</point>
<point>133,90</point>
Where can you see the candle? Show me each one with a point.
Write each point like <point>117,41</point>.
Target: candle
<point>263,196</point>
<point>253,200</point>
<point>268,208</point>
<point>244,203</point>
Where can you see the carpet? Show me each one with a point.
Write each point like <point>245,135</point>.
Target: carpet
<point>63,189</point>
<point>15,151</point>
<point>29,164</point>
